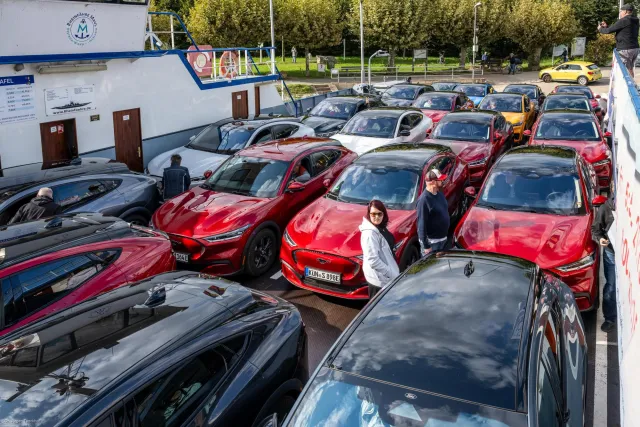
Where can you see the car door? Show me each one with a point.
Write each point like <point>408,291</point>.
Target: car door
<point>499,137</point>
<point>574,71</point>
<point>283,130</point>
<point>561,72</point>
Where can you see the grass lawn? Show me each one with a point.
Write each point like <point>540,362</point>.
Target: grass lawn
<point>297,91</point>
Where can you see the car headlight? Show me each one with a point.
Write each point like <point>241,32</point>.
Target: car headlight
<point>580,264</point>
<point>481,162</point>
<point>228,235</point>
<point>288,239</point>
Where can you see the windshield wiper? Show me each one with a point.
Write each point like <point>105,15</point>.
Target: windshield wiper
<point>489,206</point>
<point>524,209</point>
<point>238,192</point>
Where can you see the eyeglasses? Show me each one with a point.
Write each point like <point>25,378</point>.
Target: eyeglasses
<point>376,214</point>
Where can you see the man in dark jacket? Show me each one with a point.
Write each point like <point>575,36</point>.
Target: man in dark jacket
<point>433,214</point>
<point>626,30</point>
<point>41,206</point>
<point>175,179</point>
<point>599,229</point>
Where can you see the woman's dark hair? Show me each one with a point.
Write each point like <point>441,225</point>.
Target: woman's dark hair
<point>380,206</point>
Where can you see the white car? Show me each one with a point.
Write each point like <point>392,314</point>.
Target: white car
<point>376,127</point>
<point>217,142</point>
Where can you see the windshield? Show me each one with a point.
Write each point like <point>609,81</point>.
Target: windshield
<point>396,188</point>
<point>372,125</point>
<point>575,89</point>
<point>401,92</point>
<point>248,176</point>
<point>525,90</point>
<point>463,130</point>
<point>569,103</point>
<point>340,399</point>
<point>471,90</point>
<point>434,102</point>
<point>553,191</point>
<point>226,139</point>
<point>444,86</point>
<point>334,109</point>
<point>571,128</point>
<point>504,104</point>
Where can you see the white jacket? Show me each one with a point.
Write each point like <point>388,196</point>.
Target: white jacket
<point>378,264</point>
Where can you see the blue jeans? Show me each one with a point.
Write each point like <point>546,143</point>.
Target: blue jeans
<point>435,247</point>
<point>512,68</point>
<point>609,308</point>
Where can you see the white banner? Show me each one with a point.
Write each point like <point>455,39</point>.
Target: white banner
<point>626,108</point>
<point>578,46</point>
<point>65,100</point>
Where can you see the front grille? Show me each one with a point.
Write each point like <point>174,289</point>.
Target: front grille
<point>330,286</point>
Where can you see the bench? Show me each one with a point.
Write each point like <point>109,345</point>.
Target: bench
<point>493,65</point>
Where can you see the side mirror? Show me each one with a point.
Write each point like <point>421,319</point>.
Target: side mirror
<point>598,200</point>
<point>308,110</point>
<point>527,132</point>
<point>405,132</point>
<point>497,135</point>
<point>192,138</point>
<point>598,97</point>
<point>608,134</point>
<point>294,187</point>
<point>470,192</point>
<point>340,126</point>
<point>207,174</point>
<point>326,182</point>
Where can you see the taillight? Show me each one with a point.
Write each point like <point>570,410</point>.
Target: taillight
<point>591,73</point>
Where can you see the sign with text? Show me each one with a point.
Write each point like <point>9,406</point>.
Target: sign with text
<point>578,46</point>
<point>557,50</point>
<point>17,99</point>
<point>65,100</point>
<point>420,53</point>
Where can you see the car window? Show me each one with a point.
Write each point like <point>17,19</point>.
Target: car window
<point>76,193</point>
<point>414,120</point>
<point>283,131</point>
<point>443,164</point>
<point>249,176</point>
<point>334,108</point>
<point>575,67</point>
<point>548,408</point>
<point>567,103</point>
<point>434,101</point>
<point>593,67</point>
<point>583,128</point>
<point>586,174</point>
<point>508,104</point>
<point>372,124</point>
<point>323,159</point>
<point>263,136</point>
<point>463,129</point>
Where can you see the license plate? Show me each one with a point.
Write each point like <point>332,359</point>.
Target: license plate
<point>181,256</point>
<point>322,275</point>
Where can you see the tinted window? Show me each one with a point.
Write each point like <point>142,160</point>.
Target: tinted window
<point>570,127</point>
<point>431,101</point>
<point>372,125</point>
<point>75,193</point>
<point>593,67</point>
<point>248,176</point>
<point>56,348</point>
<point>225,139</point>
<point>323,159</point>
<point>444,86</point>
<point>575,67</point>
<point>334,109</point>
<point>575,89</point>
<point>472,90</point>
<point>263,136</point>
<point>548,386</point>
<point>505,104</point>
<point>444,165</point>
<point>396,188</point>
<point>284,131</point>
<point>570,103</point>
<point>99,329</point>
<point>587,177</point>
<point>401,92</point>
<point>208,139</point>
<point>525,90</point>
<point>462,129</point>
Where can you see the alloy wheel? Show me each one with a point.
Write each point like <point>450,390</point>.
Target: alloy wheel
<point>263,252</point>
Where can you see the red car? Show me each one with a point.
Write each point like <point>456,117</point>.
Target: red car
<point>321,245</point>
<point>579,130</point>
<point>594,100</point>
<point>538,203</point>
<point>478,137</point>
<point>233,222</point>
<point>54,263</point>
<point>436,105</point>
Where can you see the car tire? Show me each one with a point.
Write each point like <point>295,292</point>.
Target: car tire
<point>546,78</point>
<point>411,254</point>
<point>137,219</point>
<point>262,252</point>
<point>583,81</point>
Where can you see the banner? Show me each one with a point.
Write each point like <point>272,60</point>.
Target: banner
<point>65,100</point>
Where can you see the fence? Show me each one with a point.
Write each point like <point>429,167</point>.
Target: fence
<point>624,122</point>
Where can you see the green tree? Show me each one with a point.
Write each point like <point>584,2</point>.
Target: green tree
<point>601,49</point>
<point>309,24</point>
<point>162,23</point>
<point>536,24</point>
<point>590,12</point>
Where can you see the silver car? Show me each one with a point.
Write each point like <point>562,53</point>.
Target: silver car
<point>132,197</point>
<point>217,142</point>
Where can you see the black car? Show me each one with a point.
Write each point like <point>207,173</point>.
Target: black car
<point>330,115</point>
<point>403,94</point>
<point>566,101</point>
<point>176,349</point>
<point>460,339</point>
<point>532,91</point>
<point>446,86</point>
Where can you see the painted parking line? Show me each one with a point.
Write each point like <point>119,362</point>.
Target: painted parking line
<point>606,343</point>
<point>277,275</point>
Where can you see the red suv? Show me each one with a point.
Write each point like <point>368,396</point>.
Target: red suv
<point>51,264</point>
<point>233,221</point>
<point>321,245</point>
<point>594,100</point>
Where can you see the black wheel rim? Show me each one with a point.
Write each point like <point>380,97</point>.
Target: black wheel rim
<point>137,222</point>
<point>263,252</point>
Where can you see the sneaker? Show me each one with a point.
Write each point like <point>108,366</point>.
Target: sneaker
<point>608,326</point>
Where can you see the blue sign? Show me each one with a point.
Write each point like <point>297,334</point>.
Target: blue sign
<point>16,80</point>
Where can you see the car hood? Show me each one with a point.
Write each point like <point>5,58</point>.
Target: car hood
<point>467,151</point>
<point>395,102</point>
<point>330,226</point>
<point>323,124</point>
<point>548,240</point>
<point>591,151</point>
<point>435,115</point>
<point>514,117</point>
<point>361,144</point>
<point>201,213</point>
<point>197,161</point>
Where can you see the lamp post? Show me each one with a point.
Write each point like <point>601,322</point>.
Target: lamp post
<point>361,44</point>
<point>273,40</point>
<point>475,40</point>
<point>378,53</point>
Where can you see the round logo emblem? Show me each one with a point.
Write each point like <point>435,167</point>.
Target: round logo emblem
<point>201,61</point>
<point>82,28</point>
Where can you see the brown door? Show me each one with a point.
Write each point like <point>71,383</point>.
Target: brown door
<point>59,140</point>
<point>240,105</point>
<point>128,137</point>
<point>257,100</point>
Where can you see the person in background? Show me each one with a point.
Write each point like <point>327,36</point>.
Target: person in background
<point>40,206</point>
<point>378,263</point>
<point>294,54</point>
<point>300,173</point>
<point>599,229</point>
<point>513,61</point>
<point>433,214</point>
<point>175,179</point>
<point>485,58</point>
<point>565,55</point>
<point>626,30</point>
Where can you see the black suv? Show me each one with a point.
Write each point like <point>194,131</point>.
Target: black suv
<point>177,349</point>
<point>461,338</point>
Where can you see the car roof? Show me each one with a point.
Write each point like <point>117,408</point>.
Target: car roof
<point>522,85</point>
<point>570,88</point>
<point>416,85</point>
<point>441,92</point>
<point>107,338</point>
<point>287,149</point>
<point>538,158</point>
<point>477,115</point>
<point>402,155</point>
<point>568,114</point>
<point>451,325</point>
<point>391,111</point>
<point>474,84</point>
<point>567,94</point>
<point>505,94</point>
<point>580,62</point>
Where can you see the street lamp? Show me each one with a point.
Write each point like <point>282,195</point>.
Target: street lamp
<point>475,40</point>
<point>273,40</point>
<point>361,45</point>
<point>378,53</point>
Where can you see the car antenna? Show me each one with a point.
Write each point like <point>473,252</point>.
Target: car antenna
<point>469,268</point>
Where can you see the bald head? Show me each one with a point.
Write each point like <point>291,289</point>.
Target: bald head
<point>45,192</point>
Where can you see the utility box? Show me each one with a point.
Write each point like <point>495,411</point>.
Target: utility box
<point>328,61</point>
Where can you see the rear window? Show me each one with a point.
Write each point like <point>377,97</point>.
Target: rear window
<point>226,139</point>
<point>575,89</point>
<point>568,128</point>
<point>593,67</point>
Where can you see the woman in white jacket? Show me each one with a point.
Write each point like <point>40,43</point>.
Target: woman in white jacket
<point>378,264</point>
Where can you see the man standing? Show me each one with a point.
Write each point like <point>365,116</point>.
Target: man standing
<point>565,55</point>
<point>599,229</point>
<point>626,30</point>
<point>40,206</point>
<point>175,179</point>
<point>512,64</point>
<point>294,53</point>
<point>433,214</point>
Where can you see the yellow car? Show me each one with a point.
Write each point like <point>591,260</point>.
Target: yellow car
<point>580,72</point>
<point>517,108</point>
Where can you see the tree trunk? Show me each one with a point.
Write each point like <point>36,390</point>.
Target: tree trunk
<point>534,59</point>
<point>463,56</point>
<point>392,58</point>
<point>306,61</point>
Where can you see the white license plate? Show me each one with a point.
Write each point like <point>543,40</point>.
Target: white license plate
<point>322,275</point>
<point>181,257</point>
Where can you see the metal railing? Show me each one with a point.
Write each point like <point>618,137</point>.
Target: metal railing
<point>353,73</point>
